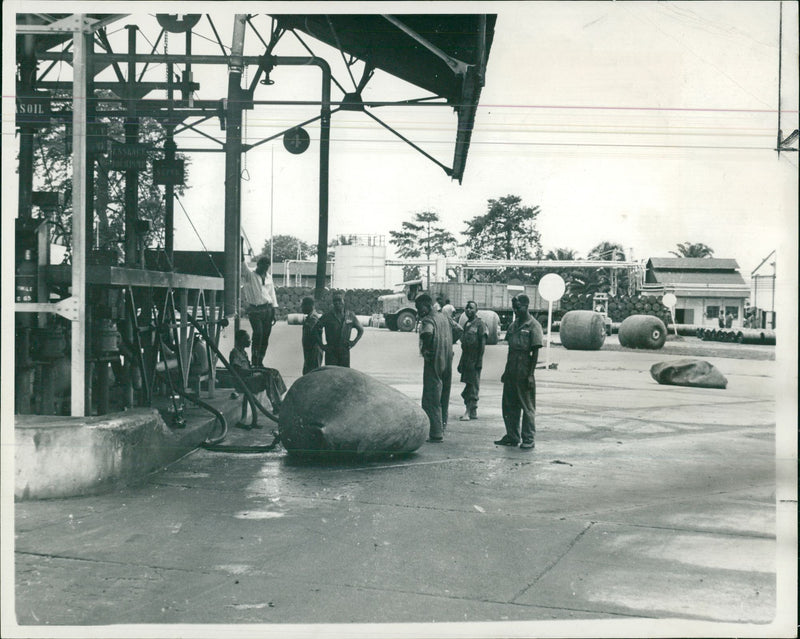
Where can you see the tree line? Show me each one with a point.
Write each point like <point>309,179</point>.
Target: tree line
<point>507,231</point>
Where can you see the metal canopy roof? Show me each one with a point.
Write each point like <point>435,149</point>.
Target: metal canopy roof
<point>443,54</point>
<point>54,38</point>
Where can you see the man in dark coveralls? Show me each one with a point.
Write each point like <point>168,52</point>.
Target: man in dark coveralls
<point>473,345</point>
<point>525,338</point>
<point>338,325</point>
<point>312,352</point>
<point>436,346</point>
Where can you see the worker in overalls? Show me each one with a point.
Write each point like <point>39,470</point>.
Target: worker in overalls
<point>525,337</point>
<point>436,336</point>
<point>312,351</point>
<point>473,345</point>
<point>338,325</point>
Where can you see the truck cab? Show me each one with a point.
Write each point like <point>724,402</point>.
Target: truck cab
<point>399,310</point>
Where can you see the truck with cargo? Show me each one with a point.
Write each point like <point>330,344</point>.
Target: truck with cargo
<point>400,313</point>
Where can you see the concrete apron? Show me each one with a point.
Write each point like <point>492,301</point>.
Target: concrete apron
<point>59,456</point>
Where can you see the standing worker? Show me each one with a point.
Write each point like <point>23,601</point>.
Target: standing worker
<point>338,325</point>
<point>436,346</point>
<point>525,338</point>
<point>312,352</point>
<point>260,305</point>
<point>473,345</point>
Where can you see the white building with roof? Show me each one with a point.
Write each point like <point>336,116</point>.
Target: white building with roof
<point>704,287</point>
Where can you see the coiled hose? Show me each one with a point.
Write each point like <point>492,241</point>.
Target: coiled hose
<point>215,445</point>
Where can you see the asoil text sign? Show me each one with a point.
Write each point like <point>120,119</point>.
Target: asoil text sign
<point>33,110</point>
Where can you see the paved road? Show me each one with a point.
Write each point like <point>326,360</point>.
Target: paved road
<point>641,503</point>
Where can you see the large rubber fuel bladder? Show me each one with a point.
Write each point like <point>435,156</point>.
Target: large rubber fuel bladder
<point>339,412</point>
<point>582,331</point>
<point>642,331</point>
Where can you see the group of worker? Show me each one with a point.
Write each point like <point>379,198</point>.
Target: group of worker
<point>438,332</point>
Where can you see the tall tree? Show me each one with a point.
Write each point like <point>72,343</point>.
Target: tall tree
<point>507,231</point>
<point>689,249</point>
<point>287,247</point>
<point>422,238</point>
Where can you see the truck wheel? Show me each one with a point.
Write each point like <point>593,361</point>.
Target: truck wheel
<point>406,321</point>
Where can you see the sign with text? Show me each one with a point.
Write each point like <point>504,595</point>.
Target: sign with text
<point>47,199</point>
<point>33,110</point>
<point>97,137</point>
<point>97,140</point>
<point>128,157</point>
<point>168,172</point>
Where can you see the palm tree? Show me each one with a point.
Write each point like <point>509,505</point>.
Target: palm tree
<point>689,249</point>
<point>573,278</point>
<point>610,251</point>
<point>561,254</point>
<point>588,282</point>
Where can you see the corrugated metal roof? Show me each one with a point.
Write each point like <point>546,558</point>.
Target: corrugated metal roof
<point>692,263</point>
<point>678,277</point>
<point>445,54</point>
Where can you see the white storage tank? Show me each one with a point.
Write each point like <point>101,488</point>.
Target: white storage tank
<point>359,265</point>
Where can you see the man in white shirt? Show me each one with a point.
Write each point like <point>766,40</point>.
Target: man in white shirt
<point>448,309</point>
<point>260,303</point>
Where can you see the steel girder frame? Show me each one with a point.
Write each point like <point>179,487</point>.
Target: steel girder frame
<point>233,145</point>
<point>233,152</point>
<point>81,28</point>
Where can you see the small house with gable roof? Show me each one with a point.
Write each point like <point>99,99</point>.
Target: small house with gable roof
<point>703,286</point>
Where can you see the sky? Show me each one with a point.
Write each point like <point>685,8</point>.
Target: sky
<point>646,124</point>
<point>641,123</point>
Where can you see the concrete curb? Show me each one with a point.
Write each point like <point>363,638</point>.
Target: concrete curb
<point>71,456</point>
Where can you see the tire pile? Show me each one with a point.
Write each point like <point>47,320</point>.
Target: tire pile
<point>360,301</point>
<point>620,307</point>
<point>738,335</point>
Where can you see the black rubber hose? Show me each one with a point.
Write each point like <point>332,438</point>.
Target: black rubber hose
<point>217,415</point>
<point>215,444</point>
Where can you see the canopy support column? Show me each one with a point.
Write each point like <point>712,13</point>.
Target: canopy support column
<point>233,170</point>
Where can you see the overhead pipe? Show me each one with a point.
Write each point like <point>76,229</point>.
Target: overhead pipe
<point>324,157</point>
